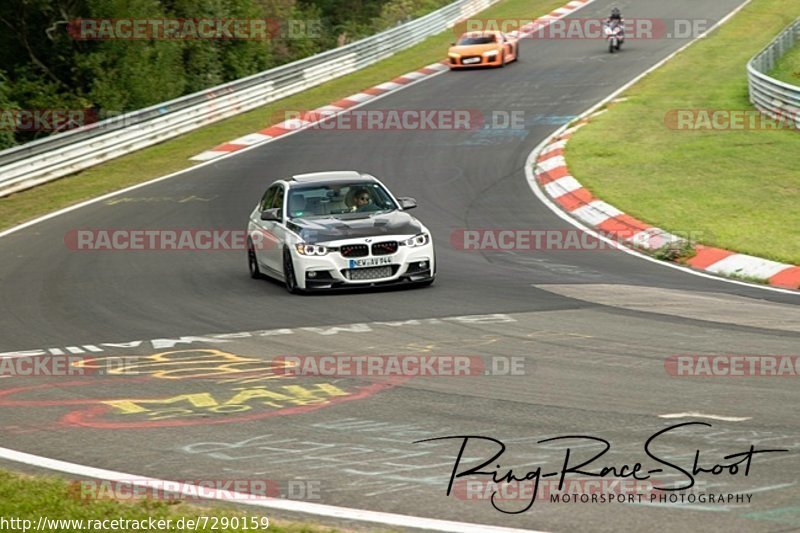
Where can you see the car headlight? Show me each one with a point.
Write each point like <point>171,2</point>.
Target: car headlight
<point>311,249</point>
<point>490,53</point>
<point>453,54</point>
<point>418,240</point>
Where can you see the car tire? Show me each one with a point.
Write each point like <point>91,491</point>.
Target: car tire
<point>289,278</point>
<point>503,59</point>
<point>252,262</point>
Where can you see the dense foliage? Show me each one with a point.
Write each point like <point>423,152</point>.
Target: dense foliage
<point>43,66</point>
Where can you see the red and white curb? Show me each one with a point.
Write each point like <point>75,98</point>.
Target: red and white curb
<point>542,22</point>
<point>326,112</point>
<point>552,175</point>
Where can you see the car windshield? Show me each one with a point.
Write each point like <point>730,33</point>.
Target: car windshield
<point>339,200</point>
<point>483,39</point>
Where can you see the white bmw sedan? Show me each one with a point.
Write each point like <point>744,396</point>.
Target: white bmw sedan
<point>341,229</point>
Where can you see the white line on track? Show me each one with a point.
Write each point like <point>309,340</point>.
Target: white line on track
<point>391,519</point>
<point>695,414</point>
<point>202,164</point>
<point>531,160</point>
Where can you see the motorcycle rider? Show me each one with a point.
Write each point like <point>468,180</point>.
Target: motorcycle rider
<point>616,20</point>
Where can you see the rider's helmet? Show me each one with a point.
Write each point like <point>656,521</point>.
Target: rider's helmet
<point>615,13</point>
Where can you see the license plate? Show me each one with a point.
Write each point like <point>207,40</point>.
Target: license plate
<point>471,60</point>
<point>370,262</point>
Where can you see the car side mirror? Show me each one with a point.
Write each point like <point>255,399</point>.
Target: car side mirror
<point>407,203</point>
<point>273,214</point>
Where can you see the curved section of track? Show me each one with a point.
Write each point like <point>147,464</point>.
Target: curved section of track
<point>593,328</point>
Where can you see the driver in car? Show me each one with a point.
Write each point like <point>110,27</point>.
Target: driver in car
<point>362,200</point>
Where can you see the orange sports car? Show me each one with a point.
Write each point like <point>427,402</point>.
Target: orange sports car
<point>483,49</point>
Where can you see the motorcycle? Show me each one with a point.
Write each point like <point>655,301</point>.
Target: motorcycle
<point>614,36</point>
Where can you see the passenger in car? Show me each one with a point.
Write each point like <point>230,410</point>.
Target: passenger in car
<point>297,205</point>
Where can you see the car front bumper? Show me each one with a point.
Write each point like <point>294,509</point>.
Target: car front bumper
<point>458,62</point>
<point>333,271</point>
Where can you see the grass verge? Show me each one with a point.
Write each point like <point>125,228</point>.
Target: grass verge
<point>738,189</point>
<point>173,155</point>
<point>25,497</point>
<point>787,68</point>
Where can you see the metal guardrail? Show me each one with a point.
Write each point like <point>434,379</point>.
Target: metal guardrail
<point>53,157</point>
<point>775,98</point>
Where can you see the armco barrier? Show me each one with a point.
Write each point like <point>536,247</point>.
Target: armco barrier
<point>772,97</point>
<point>44,160</point>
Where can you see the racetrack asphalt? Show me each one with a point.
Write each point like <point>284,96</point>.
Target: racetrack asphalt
<point>593,327</point>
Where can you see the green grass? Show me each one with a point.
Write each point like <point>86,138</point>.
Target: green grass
<point>173,155</point>
<point>738,189</point>
<point>28,498</point>
<point>749,279</point>
<point>787,68</point>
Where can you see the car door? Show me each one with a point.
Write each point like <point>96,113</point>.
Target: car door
<point>507,47</point>
<point>276,231</point>
<point>266,234</point>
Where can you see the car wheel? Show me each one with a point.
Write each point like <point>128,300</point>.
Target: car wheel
<point>252,262</point>
<point>503,59</point>
<point>289,279</point>
<point>516,53</point>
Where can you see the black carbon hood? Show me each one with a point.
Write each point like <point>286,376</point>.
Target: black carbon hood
<point>355,225</point>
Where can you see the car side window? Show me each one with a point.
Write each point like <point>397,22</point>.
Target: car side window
<point>277,201</point>
<point>269,196</point>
